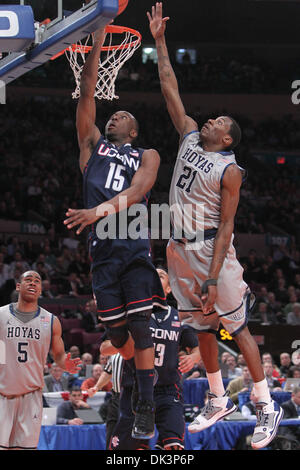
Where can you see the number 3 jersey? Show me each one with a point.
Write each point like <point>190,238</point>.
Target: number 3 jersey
<point>196,185</point>
<point>24,347</point>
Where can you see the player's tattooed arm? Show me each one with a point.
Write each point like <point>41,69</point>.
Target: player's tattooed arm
<point>229,201</point>
<point>168,80</point>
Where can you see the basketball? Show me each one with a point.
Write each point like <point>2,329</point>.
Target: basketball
<point>122,5</point>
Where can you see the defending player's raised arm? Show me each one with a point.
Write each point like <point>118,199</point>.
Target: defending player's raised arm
<point>59,355</point>
<point>88,133</point>
<point>141,183</point>
<point>168,80</point>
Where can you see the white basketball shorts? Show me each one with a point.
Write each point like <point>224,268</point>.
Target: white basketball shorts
<point>188,269</point>
<point>21,419</point>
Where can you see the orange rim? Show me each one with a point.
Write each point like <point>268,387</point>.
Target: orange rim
<point>109,29</point>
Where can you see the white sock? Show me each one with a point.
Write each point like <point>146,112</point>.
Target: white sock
<point>262,391</point>
<point>216,383</point>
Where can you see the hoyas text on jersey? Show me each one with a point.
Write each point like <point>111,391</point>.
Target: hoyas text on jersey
<point>198,160</point>
<point>23,332</point>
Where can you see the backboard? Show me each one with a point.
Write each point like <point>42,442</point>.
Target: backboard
<point>68,21</point>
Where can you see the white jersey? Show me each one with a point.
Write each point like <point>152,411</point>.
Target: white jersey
<point>23,351</point>
<point>196,186</point>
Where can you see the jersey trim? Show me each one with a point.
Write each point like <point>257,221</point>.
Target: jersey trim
<point>247,314</point>
<point>189,133</point>
<point>221,180</point>
<point>11,309</point>
<point>51,331</point>
<point>232,311</point>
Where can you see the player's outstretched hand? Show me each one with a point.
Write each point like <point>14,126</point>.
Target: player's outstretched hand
<point>82,217</point>
<point>72,365</point>
<point>156,22</point>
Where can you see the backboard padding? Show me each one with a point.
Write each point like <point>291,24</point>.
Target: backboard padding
<point>57,36</point>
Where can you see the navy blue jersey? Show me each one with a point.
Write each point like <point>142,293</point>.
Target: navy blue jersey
<point>110,171</point>
<point>168,335</point>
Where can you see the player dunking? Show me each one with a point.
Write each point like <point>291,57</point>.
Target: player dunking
<point>125,282</point>
<point>207,280</point>
<point>27,332</point>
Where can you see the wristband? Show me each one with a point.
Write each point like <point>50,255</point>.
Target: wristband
<point>208,282</point>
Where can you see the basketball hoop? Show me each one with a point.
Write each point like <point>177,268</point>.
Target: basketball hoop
<point>109,65</point>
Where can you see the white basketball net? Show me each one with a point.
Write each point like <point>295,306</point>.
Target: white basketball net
<point>110,62</point>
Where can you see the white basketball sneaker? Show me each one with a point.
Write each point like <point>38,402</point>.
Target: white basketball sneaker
<point>215,409</point>
<point>268,419</point>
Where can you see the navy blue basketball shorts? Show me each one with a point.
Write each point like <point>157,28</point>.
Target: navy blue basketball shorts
<point>169,420</point>
<point>169,417</point>
<point>122,289</point>
<point>121,438</point>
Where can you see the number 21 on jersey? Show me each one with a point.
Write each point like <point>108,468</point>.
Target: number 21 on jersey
<point>187,178</point>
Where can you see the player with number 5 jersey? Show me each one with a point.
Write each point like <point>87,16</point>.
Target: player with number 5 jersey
<point>117,175</point>
<point>27,334</point>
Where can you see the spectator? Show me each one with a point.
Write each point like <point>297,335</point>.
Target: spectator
<point>91,381</point>
<point>47,290</point>
<point>4,272</point>
<point>73,286</point>
<point>66,411</point>
<point>18,262</point>
<point>41,260</point>
<point>263,295</point>
<point>75,351</point>
<point>241,384</point>
<point>90,321</point>
<point>224,356</point>
<point>267,357</point>
<point>291,410</point>
<point>55,381</point>
<point>87,360</point>
<point>249,408</point>
<point>294,372</point>
<point>79,265</point>
<point>30,251</point>
<point>264,275</point>
<point>253,266</point>
<point>233,371</point>
<point>275,308</point>
<point>241,361</point>
<point>103,360</point>
<point>264,314</point>
<point>293,317</point>
<point>280,292</point>
<point>285,364</point>
<point>274,384</point>
<point>293,298</point>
